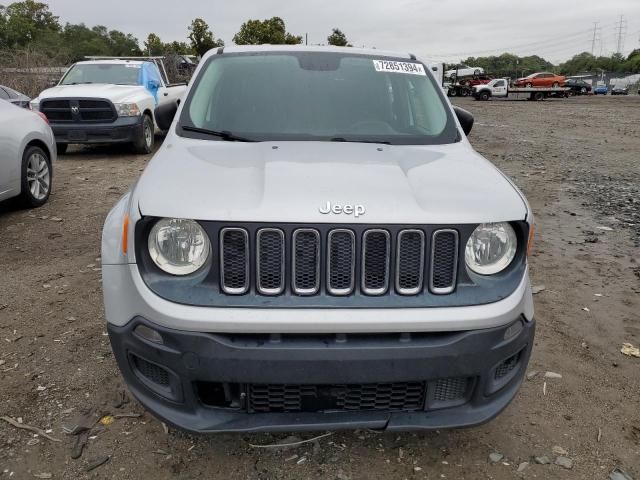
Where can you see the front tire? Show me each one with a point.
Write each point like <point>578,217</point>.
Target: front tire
<point>144,143</point>
<point>529,85</point>
<point>36,177</point>
<point>484,96</point>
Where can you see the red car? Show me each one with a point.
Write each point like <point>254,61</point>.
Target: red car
<point>541,79</point>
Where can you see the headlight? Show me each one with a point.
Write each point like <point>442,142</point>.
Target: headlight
<point>127,110</point>
<point>491,248</point>
<point>35,106</point>
<point>179,247</point>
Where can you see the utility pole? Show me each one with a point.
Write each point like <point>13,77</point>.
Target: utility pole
<point>621,26</point>
<point>596,31</point>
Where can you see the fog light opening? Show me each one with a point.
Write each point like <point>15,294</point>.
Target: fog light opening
<point>148,334</point>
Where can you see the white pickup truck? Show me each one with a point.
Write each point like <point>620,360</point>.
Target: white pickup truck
<point>500,88</point>
<point>108,101</point>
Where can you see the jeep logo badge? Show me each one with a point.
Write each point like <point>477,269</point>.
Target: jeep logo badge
<point>357,210</point>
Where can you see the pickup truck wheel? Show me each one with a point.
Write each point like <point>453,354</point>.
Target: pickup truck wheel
<point>453,92</point>
<point>484,96</point>
<point>144,144</point>
<point>62,148</point>
<point>36,177</point>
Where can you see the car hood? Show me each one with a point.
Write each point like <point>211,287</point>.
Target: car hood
<point>292,181</point>
<point>115,93</point>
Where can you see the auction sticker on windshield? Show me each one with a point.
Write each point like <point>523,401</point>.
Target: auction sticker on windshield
<point>399,67</point>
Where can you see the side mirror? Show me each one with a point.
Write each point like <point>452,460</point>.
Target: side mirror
<point>465,118</point>
<point>154,84</point>
<point>164,115</point>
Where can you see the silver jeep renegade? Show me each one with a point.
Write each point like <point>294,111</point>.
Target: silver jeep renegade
<point>316,245</point>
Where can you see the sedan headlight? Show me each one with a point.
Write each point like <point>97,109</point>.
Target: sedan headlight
<point>178,247</point>
<point>491,248</point>
<point>127,110</point>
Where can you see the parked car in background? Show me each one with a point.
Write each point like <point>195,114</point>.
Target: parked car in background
<point>578,87</point>
<point>541,79</point>
<point>601,90</point>
<point>27,155</point>
<point>616,90</point>
<point>108,101</point>
<point>12,96</point>
<point>463,71</point>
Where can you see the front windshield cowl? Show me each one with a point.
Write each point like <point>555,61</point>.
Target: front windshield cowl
<point>317,96</point>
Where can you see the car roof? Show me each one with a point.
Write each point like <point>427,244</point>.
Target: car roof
<point>112,62</point>
<point>304,48</point>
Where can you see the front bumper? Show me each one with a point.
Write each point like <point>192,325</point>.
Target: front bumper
<point>202,382</point>
<point>123,130</point>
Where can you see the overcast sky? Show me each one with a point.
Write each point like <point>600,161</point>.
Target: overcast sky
<point>438,30</point>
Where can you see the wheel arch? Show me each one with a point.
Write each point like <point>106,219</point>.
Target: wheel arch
<point>36,142</point>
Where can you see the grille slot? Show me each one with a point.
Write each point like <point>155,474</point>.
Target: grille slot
<point>410,262</point>
<point>450,391</point>
<point>506,367</point>
<point>306,262</point>
<point>444,261</point>
<point>270,261</point>
<point>402,396</point>
<point>375,262</point>
<point>341,262</point>
<point>234,265</point>
<point>151,371</point>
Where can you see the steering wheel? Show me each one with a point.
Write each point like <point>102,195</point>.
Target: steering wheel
<point>373,124</point>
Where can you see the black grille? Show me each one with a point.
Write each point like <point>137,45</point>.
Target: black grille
<point>450,389</point>
<point>151,371</point>
<point>375,262</point>
<point>410,268</point>
<point>270,261</point>
<point>306,262</point>
<point>341,262</point>
<point>444,261</point>
<point>506,367</point>
<point>235,261</point>
<point>403,396</point>
<point>78,110</point>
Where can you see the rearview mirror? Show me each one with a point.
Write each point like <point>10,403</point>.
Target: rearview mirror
<point>164,115</point>
<point>465,118</point>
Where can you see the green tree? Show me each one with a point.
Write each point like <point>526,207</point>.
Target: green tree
<point>180,48</point>
<point>202,38</point>
<point>123,44</point>
<point>153,45</point>
<point>26,22</point>
<point>338,38</point>
<point>272,31</point>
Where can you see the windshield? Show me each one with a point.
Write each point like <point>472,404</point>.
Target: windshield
<point>317,96</point>
<point>119,74</point>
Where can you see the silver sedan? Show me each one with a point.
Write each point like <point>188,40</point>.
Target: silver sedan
<point>27,155</point>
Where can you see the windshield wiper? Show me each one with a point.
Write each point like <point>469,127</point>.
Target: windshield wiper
<point>224,134</point>
<point>78,83</point>
<point>353,140</point>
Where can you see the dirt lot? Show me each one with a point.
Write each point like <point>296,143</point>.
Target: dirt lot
<point>578,162</point>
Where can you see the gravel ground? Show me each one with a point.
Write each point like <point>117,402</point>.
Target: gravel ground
<point>576,160</point>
